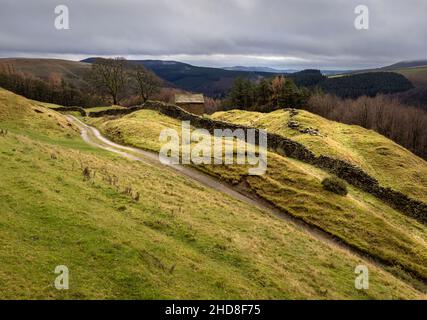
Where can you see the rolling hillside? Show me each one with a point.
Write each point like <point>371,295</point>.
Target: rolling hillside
<point>359,219</point>
<point>131,230</point>
<point>407,64</point>
<point>416,73</point>
<point>366,84</point>
<point>213,82</point>
<point>377,155</point>
<point>216,82</point>
<point>45,69</point>
<point>210,81</point>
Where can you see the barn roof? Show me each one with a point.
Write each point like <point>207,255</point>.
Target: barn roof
<point>189,98</point>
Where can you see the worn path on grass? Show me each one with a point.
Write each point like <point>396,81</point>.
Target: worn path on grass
<point>93,137</point>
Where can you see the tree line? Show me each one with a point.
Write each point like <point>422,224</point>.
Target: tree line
<point>117,79</point>
<point>53,90</point>
<point>293,90</point>
<point>365,84</point>
<point>354,85</point>
<point>109,81</point>
<point>265,95</point>
<point>386,115</point>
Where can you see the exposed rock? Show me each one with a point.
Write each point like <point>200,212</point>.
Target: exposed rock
<point>293,124</point>
<point>310,131</point>
<point>293,112</point>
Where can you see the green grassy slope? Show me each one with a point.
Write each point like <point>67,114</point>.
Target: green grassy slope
<point>377,155</point>
<point>178,240</point>
<point>359,219</point>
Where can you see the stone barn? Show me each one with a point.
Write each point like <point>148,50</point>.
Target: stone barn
<point>193,103</point>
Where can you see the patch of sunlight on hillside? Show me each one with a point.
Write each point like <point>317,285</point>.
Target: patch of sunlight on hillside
<point>358,219</point>
<point>391,164</point>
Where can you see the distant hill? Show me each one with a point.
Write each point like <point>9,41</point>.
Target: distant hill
<point>45,69</point>
<point>366,84</point>
<point>259,69</point>
<point>216,82</point>
<point>334,72</point>
<point>407,64</point>
<point>282,71</point>
<point>213,82</point>
<point>416,72</point>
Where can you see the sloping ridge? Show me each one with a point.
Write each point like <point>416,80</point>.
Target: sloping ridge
<point>407,64</point>
<point>45,122</point>
<point>92,136</point>
<point>352,174</point>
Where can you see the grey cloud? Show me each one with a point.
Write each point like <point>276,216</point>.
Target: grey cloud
<point>220,32</point>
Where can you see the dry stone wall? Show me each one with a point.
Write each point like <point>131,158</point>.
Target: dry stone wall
<point>289,148</point>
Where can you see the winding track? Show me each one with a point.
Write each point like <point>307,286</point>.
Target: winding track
<point>93,137</point>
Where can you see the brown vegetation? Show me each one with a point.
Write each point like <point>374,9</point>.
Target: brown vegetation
<point>107,81</point>
<point>54,89</point>
<point>335,185</point>
<point>405,125</point>
<point>120,80</point>
<point>109,77</point>
<point>146,83</point>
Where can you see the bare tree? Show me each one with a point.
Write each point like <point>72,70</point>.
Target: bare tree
<point>404,124</point>
<point>109,76</point>
<point>145,81</point>
<point>277,86</point>
<point>416,129</point>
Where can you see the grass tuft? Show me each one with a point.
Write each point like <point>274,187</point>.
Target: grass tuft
<point>335,185</point>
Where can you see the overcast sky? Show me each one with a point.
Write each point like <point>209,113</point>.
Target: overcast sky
<point>275,33</point>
